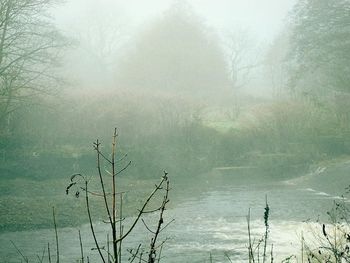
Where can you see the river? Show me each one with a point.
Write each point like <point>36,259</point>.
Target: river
<point>213,222</point>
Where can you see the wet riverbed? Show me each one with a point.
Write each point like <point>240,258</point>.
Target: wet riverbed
<point>213,222</point>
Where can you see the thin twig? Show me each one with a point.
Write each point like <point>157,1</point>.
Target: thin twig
<point>81,248</point>
<point>113,222</point>
<point>19,252</point>
<point>250,249</point>
<point>100,153</point>
<point>48,252</point>
<point>42,256</point>
<point>108,256</point>
<point>124,168</point>
<point>97,145</point>
<point>90,221</point>
<point>134,255</point>
<point>56,235</point>
<point>143,208</point>
<point>120,226</point>
<point>121,159</point>
<point>152,252</point>
<point>95,193</point>
<point>164,227</point>
<point>144,223</point>
<point>226,255</point>
<point>151,211</point>
<point>160,252</point>
<point>108,222</point>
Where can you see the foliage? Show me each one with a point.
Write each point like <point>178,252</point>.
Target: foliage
<point>177,53</point>
<point>285,136</point>
<point>297,128</point>
<point>331,242</point>
<point>320,43</point>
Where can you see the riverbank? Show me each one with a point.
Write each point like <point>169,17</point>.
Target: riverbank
<point>331,177</point>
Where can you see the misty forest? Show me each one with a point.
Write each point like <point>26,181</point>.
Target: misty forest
<point>174,131</point>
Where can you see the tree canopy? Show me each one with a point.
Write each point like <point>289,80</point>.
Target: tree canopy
<point>178,53</point>
<point>320,46</point>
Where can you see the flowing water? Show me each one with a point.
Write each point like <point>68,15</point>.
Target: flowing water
<point>213,222</point>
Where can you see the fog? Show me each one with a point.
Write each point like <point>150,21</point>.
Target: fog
<point>107,30</point>
<point>240,108</point>
<point>263,18</point>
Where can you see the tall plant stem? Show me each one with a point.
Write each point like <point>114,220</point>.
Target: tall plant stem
<point>266,222</point>
<point>81,248</point>
<point>250,246</point>
<point>114,230</point>
<point>90,221</point>
<point>56,235</point>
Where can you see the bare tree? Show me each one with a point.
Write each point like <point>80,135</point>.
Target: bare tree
<point>100,34</point>
<point>29,51</point>
<point>276,64</point>
<point>242,57</point>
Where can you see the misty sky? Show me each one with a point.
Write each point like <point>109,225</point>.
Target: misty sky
<point>262,18</point>
<point>93,22</point>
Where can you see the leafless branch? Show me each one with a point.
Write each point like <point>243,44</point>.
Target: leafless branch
<point>124,168</point>
<point>144,223</point>
<point>97,149</point>
<point>134,254</point>
<point>152,252</point>
<point>19,252</point>
<point>41,258</point>
<point>164,178</point>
